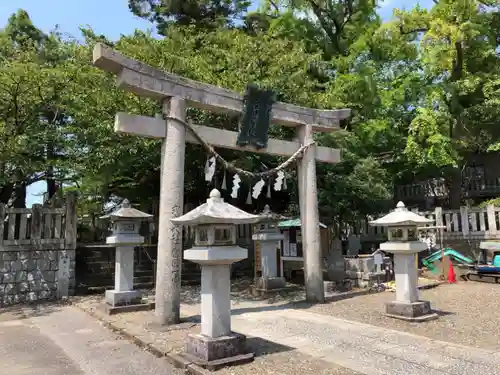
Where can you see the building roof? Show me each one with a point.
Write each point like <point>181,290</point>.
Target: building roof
<point>294,223</point>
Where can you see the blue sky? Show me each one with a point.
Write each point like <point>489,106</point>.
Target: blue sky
<point>111,18</point>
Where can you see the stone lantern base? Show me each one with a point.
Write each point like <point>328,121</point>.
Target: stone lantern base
<point>115,298</point>
<point>270,284</point>
<point>213,353</point>
<point>419,311</point>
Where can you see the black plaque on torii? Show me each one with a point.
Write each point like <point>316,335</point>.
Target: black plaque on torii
<point>256,118</point>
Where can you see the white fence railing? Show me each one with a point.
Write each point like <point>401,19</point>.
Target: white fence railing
<point>469,223</point>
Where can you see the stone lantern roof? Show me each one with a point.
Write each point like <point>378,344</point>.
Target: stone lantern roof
<point>216,211</point>
<point>126,212</point>
<point>401,217</point>
<point>267,216</point>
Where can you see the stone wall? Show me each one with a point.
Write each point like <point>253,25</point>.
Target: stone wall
<point>95,267</point>
<point>33,275</point>
<point>37,251</point>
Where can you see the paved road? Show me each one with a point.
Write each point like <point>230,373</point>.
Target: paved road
<point>66,341</point>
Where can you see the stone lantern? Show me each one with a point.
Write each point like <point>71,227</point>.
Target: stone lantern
<point>125,225</point>
<point>404,244</point>
<point>215,225</point>
<point>269,236</point>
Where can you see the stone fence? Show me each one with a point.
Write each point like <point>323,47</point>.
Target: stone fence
<point>37,252</point>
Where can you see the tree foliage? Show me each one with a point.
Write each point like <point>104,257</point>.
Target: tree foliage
<point>423,88</point>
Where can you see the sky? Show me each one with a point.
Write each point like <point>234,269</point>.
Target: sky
<point>110,18</point>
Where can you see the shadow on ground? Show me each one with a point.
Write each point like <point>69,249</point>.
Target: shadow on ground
<point>241,291</point>
<point>443,313</point>
<point>261,347</point>
<point>26,311</point>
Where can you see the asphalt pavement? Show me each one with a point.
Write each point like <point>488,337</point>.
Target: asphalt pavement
<point>65,341</point>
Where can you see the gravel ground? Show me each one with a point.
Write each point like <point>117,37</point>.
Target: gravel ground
<point>470,313</point>
<point>270,358</point>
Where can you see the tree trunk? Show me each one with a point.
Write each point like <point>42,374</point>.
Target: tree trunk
<point>51,183</point>
<point>18,196</point>
<point>6,192</point>
<point>455,188</point>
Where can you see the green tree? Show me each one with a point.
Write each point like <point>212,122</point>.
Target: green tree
<point>205,14</point>
<point>32,123</point>
<point>457,44</point>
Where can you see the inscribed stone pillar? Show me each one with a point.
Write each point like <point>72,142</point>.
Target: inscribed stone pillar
<point>216,300</point>
<point>168,275</point>
<point>309,218</point>
<point>124,268</point>
<point>406,276</point>
<point>269,261</point>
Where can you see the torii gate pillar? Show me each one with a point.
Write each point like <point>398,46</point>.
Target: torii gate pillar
<point>176,93</point>
<point>169,258</point>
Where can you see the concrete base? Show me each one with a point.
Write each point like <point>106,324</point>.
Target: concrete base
<point>419,311</point>
<point>213,353</point>
<point>128,308</point>
<point>131,297</point>
<point>269,283</point>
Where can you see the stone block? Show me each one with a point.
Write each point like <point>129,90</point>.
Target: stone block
<point>8,299</point>
<point>329,286</point>
<point>16,266</point>
<point>24,255</point>
<point>36,274</point>
<point>10,288</point>
<point>31,297</point>
<point>270,283</point>
<point>336,274</point>
<point>208,349</point>
<point>43,264</point>
<point>8,277</point>
<point>35,285</point>
<point>47,294</point>
<point>48,276</point>
<point>413,311</point>
<point>5,266</point>
<point>19,298</point>
<point>9,255</point>
<point>23,286</point>
<point>28,264</point>
<point>131,297</point>
<point>21,276</point>
<point>36,254</point>
<point>52,255</point>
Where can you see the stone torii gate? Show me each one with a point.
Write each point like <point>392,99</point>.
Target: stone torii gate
<point>176,93</point>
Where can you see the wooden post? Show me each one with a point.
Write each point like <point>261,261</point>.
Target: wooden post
<point>68,253</point>
<point>36,222</point>
<point>70,222</point>
<point>464,217</point>
<point>492,222</point>
<point>2,220</point>
<point>169,261</point>
<point>309,219</point>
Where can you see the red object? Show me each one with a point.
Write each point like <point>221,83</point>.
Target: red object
<point>452,278</point>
